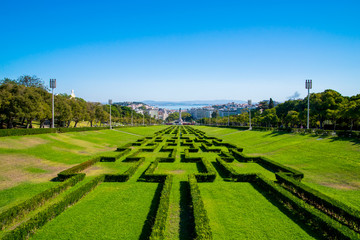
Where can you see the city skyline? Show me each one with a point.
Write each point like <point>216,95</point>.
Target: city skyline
<point>184,51</point>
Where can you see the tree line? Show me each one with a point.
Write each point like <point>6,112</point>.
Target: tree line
<point>27,99</point>
<point>328,110</point>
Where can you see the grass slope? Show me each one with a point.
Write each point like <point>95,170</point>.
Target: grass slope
<point>111,211</point>
<point>331,165</point>
<point>238,211</point>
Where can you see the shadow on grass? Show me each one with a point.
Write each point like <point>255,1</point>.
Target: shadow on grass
<point>221,171</point>
<point>276,133</point>
<point>187,225</point>
<point>150,218</point>
<point>293,216</point>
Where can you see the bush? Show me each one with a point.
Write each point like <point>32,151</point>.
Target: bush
<point>28,227</point>
<point>9,216</point>
<point>126,175</point>
<point>316,218</point>
<point>202,223</point>
<point>149,174</point>
<point>78,168</point>
<point>332,207</point>
<point>158,229</point>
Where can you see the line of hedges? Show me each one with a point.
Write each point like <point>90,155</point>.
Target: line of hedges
<point>330,206</point>
<point>202,223</point>
<point>267,163</point>
<point>317,219</point>
<point>77,168</point>
<point>27,228</point>
<point>208,149</point>
<point>127,174</point>
<point>233,174</point>
<point>149,174</point>
<point>32,131</point>
<point>158,229</point>
<point>116,157</point>
<point>9,216</point>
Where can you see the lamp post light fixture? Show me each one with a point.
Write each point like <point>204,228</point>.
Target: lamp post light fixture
<point>110,103</point>
<point>308,86</point>
<point>52,86</point>
<point>249,106</point>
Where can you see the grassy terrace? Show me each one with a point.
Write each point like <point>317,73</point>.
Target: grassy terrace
<point>127,210</point>
<point>330,164</point>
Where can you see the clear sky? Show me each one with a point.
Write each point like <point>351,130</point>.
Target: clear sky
<point>183,50</point>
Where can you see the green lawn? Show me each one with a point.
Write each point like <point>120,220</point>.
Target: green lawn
<point>238,211</point>
<point>111,211</point>
<point>331,165</point>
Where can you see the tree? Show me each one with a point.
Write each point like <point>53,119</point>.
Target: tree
<point>292,118</point>
<point>215,114</point>
<point>271,103</point>
<point>31,81</point>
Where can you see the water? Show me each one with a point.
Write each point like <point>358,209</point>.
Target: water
<point>176,107</point>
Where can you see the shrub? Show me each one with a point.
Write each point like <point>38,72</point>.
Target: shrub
<point>9,216</point>
<point>158,229</point>
<point>126,175</point>
<point>28,227</point>
<point>330,206</point>
<point>202,224</point>
<point>78,168</point>
<point>316,218</point>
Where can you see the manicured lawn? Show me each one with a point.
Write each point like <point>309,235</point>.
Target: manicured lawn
<point>111,211</point>
<point>331,165</point>
<point>238,211</point>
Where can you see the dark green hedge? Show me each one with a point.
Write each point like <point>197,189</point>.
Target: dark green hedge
<point>28,227</point>
<point>232,174</point>
<point>127,174</point>
<point>202,223</point>
<point>267,163</point>
<point>149,174</point>
<point>78,168</point>
<point>330,206</point>
<point>317,219</point>
<point>9,216</point>
<point>116,157</point>
<point>32,131</point>
<point>158,229</point>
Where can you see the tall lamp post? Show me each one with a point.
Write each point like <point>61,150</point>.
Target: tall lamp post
<point>249,106</point>
<point>143,118</point>
<point>132,116</point>
<point>110,103</point>
<point>229,116</point>
<point>52,86</point>
<point>308,86</point>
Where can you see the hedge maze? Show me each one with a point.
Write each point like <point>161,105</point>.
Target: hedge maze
<point>187,155</point>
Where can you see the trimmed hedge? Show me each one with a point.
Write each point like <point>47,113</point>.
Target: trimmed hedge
<point>330,206</point>
<point>78,168</point>
<point>318,220</point>
<point>158,229</point>
<point>116,157</point>
<point>27,228</point>
<point>235,176</point>
<point>149,174</point>
<point>274,166</point>
<point>202,223</point>
<point>207,149</point>
<point>32,131</point>
<point>9,216</point>
<point>127,174</point>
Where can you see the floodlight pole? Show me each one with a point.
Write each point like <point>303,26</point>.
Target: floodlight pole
<point>143,118</point>
<point>308,86</point>
<point>110,103</point>
<point>249,106</point>
<point>52,86</point>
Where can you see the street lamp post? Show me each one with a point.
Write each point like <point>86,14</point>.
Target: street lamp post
<point>249,106</point>
<point>110,103</point>
<point>52,86</point>
<point>143,118</point>
<point>132,115</point>
<point>308,86</point>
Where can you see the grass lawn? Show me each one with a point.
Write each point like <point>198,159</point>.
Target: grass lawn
<point>238,211</point>
<point>111,211</point>
<point>331,165</point>
<point>28,163</point>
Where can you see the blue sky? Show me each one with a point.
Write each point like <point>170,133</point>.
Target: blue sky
<point>183,50</point>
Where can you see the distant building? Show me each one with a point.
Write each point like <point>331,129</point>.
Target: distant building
<point>72,95</point>
<point>198,113</point>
